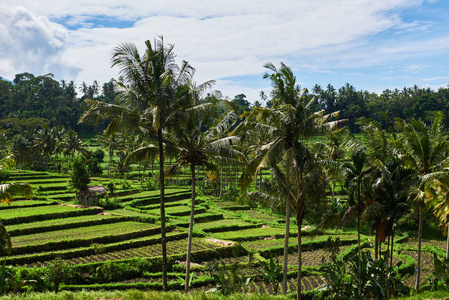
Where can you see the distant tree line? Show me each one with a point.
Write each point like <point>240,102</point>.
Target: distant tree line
<point>32,102</point>
<point>408,103</point>
<point>35,102</point>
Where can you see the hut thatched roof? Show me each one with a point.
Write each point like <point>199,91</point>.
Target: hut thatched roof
<point>94,190</point>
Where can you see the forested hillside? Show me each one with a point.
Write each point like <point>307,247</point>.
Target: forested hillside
<point>32,102</point>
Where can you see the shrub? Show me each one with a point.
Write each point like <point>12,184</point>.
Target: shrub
<point>57,272</point>
<point>4,175</point>
<point>231,193</point>
<point>113,271</point>
<point>93,161</point>
<point>231,278</point>
<point>272,273</point>
<point>80,177</point>
<point>376,279</point>
<point>108,203</point>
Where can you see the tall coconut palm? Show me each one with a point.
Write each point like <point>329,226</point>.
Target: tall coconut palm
<point>358,183</point>
<point>59,133</point>
<point>391,182</point>
<point>390,189</point>
<point>112,142</point>
<point>20,149</point>
<point>332,151</point>
<point>70,144</point>
<point>46,142</point>
<point>304,183</point>
<point>425,147</point>
<point>151,90</point>
<point>286,126</point>
<point>201,149</point>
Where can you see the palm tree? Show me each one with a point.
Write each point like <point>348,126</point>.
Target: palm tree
<point>286,126</point>
<point>426,153</point>
<point>332,152</point>
<point>70,144</point>
<point>112,142</point>
<point>195,147</point>
<point>59,133</point>
<point>359,191</point>
<point>151,90</point>
<point>390,189</point>
<point>201,149</point>
<point>391,182</point>
<point>3,143</point>
<point>20,149</point>
<point>46,141</point>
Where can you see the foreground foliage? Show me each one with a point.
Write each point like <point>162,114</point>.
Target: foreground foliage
<point>135,294</point>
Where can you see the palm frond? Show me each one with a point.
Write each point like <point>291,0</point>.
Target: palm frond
<point>5,241</point>
<point>372,212</point>
<point>350,214</point>
<point>9,190</point>
<point>141,154</point>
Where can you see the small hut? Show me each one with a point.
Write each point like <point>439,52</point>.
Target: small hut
<point>90,197</point>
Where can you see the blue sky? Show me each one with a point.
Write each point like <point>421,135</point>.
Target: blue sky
<point>373,45</point>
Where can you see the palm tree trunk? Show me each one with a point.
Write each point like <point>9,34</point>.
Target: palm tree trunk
<point>358,253</point>
<point>255,182</point>
<point>169,177</point>
<point>333,190</point>
<point>380,249</point>
<point>299,279</point>
<point>376,248</point>
<point>162,202</point>
<point>392,248</point>
<point>192,215</point>
<point>221,183</point>
<point>111,153</point>
<point>287,233</point>
<point>387,254</point>
<point>226,177</point>
<point>68,163</point>
<point>418,272</point>
<point>287,228</point>
<point>40,160</point>
<point>236,179</point>
<point>447,239</point>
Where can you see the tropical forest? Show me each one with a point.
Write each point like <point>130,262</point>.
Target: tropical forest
<point>155,186</point>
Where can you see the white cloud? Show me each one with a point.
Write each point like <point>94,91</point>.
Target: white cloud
<point>442,78</point>
<point>29,43</point>
<point>221,39</point>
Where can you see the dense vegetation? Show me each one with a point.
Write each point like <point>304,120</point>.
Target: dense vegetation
<point>185,171</point>
<point>33,102</point>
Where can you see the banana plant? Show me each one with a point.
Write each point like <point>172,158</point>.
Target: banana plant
<point>272,273</point>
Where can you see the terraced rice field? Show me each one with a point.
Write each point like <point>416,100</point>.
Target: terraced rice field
<point>42,230</point>
<point>84,232</point>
